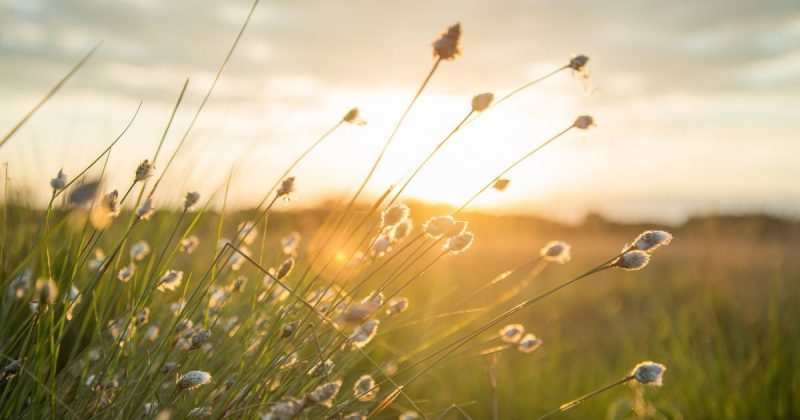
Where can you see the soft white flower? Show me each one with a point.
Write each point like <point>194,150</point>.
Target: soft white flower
<point>482,101</point>
<point>649,373</point>
<point>60,181</point>
<point>394,215</point>
<point>556,251</point>
<point>396,305</point>
<point>651,240</point>
<point>126,273</point>
<point>139,250</point>
<point>365,389</point>
<point>189,244</point>
<point>194,379</point>
<point>529,343</point>
<point>381,245</point>
<point>363,334</point>
<point>323,394</point>
<point>632,260</point>
<point>460,243</point>
<point>512,333</point>
<point>170,280</point>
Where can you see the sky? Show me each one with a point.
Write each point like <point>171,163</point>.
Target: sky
<point>697,103</point>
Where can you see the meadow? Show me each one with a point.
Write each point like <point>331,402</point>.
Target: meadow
<point>383,307</point>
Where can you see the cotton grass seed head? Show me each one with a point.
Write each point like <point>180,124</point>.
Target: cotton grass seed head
<point>363,334</point>
<point>193,379</point>
<point>139,250</point>
<point>170,280</point>
<point>556,251</point>
<point>197,339</point>
<point>353,116</point>
<point>632,260</point>
<point>192,197</point>
<point>403,229</point>
<point>381,245</point>
<point>651,240</point>
<point>324,394</point>
<point>394,215</point>
<point>20,284</point>
<point>285,269</point>
<point>512,333</point>
<point>584,122</point>
<point>12,369</point>
<point>145,210</point>
<point>482,101</point>
<point>529,343</point>
<point>321,368</point>
<point>125,274</point>
<point>46,291</point>
<point>397,305</point>
<point>649,373</point>
<point>501,184</point>
<point>200,412</point>
<point>285,410</point>
<point>111,204</point>
<point>189,244</point>
<point>365,389</point>
<point>578,62</point>
<point>145,170</point>
<point>439,226</point>
<point>290,243</point>
<point>460,243</point>
<point>287,189</point>
<point>447,46</point>
<point>60,181</point>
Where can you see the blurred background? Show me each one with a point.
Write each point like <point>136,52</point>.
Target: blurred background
<point>697,103</point>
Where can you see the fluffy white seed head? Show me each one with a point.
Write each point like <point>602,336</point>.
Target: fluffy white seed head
<point>324,394</point>
<point>365,389</point>
<point>482,101</point>
<point>396,305</point>
<point>447,226</point>
<point>321,368</point>
<point>46,291</point>
<point>381,245</point>
<point>556,251</point>
<point>649,373</point>
<point>459,243</point>
<point>193,379</point>
<point>287,188</point>
<point>447,46</point>
<point>651,240</point>
<point>584,122</point>
<point>111,204</point>
<point>529,343</point>
<point>170,280</point>
<point>578,62</point>
<point>60,181</point>
<point>286,409</point>
<point>139,250</point>
<point>99,260</point>
<point>125,274</point>
<point>145,170</point>
<point>290,243</point>
<point>145,210</point>
<point>403,229</point>
<point>394,215</point>
<point>363,334</point>
<point>512,333</point>
<point>20,284</point>
<point>632,260</point>
<point>353,116</point>
<point>192,197</point>
<point>189,244</point>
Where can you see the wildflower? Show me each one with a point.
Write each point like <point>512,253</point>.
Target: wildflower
<point>323,394</point>
<point>512,333</point>
<point>632,260</point>
<point>285,410</point>
<point>321,368</point>
<point>139,250</point>
<point>12,369</point>
<point>197,339</point>
<point>529,343</point>
<point>578,63</point>
<point>482,101</point>
<point>145,210</point>
<point>394,215</point>
<point>460,243</point>
<point>501,184</point>
<point>381,245</point>
<point>353,116</point>
<point>99,260</point>
<point>446,47</point>
<point>362,335</point>
<point>290,243</point>
<point>584,122</point>
<point>287,188</point>
<point>189,244</point>
<point>649,373</point>
<point>144,171</point>
<point>652,239</point>
<point>21,284</point>
<point>446,226</point>
<point>397,305</point>
<point>73,300</point>
<point>192,197</point>
<point>408,415</point>
<point>403,229</point>
<point>60,181</point>
<point>111,204</point>
<point>46,290</point>
<point>289,329</point>
<point>151,333</point>
<point>193,379</point>
<point>365,389</point>
<point>556,251</point>
<point>285,269</point>
<point>203,411</point>
<point>170,280</point>
<point>246,232</point>
<point>126,273</point>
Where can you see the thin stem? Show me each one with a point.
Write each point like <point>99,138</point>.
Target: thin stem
<point>573,403</point>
